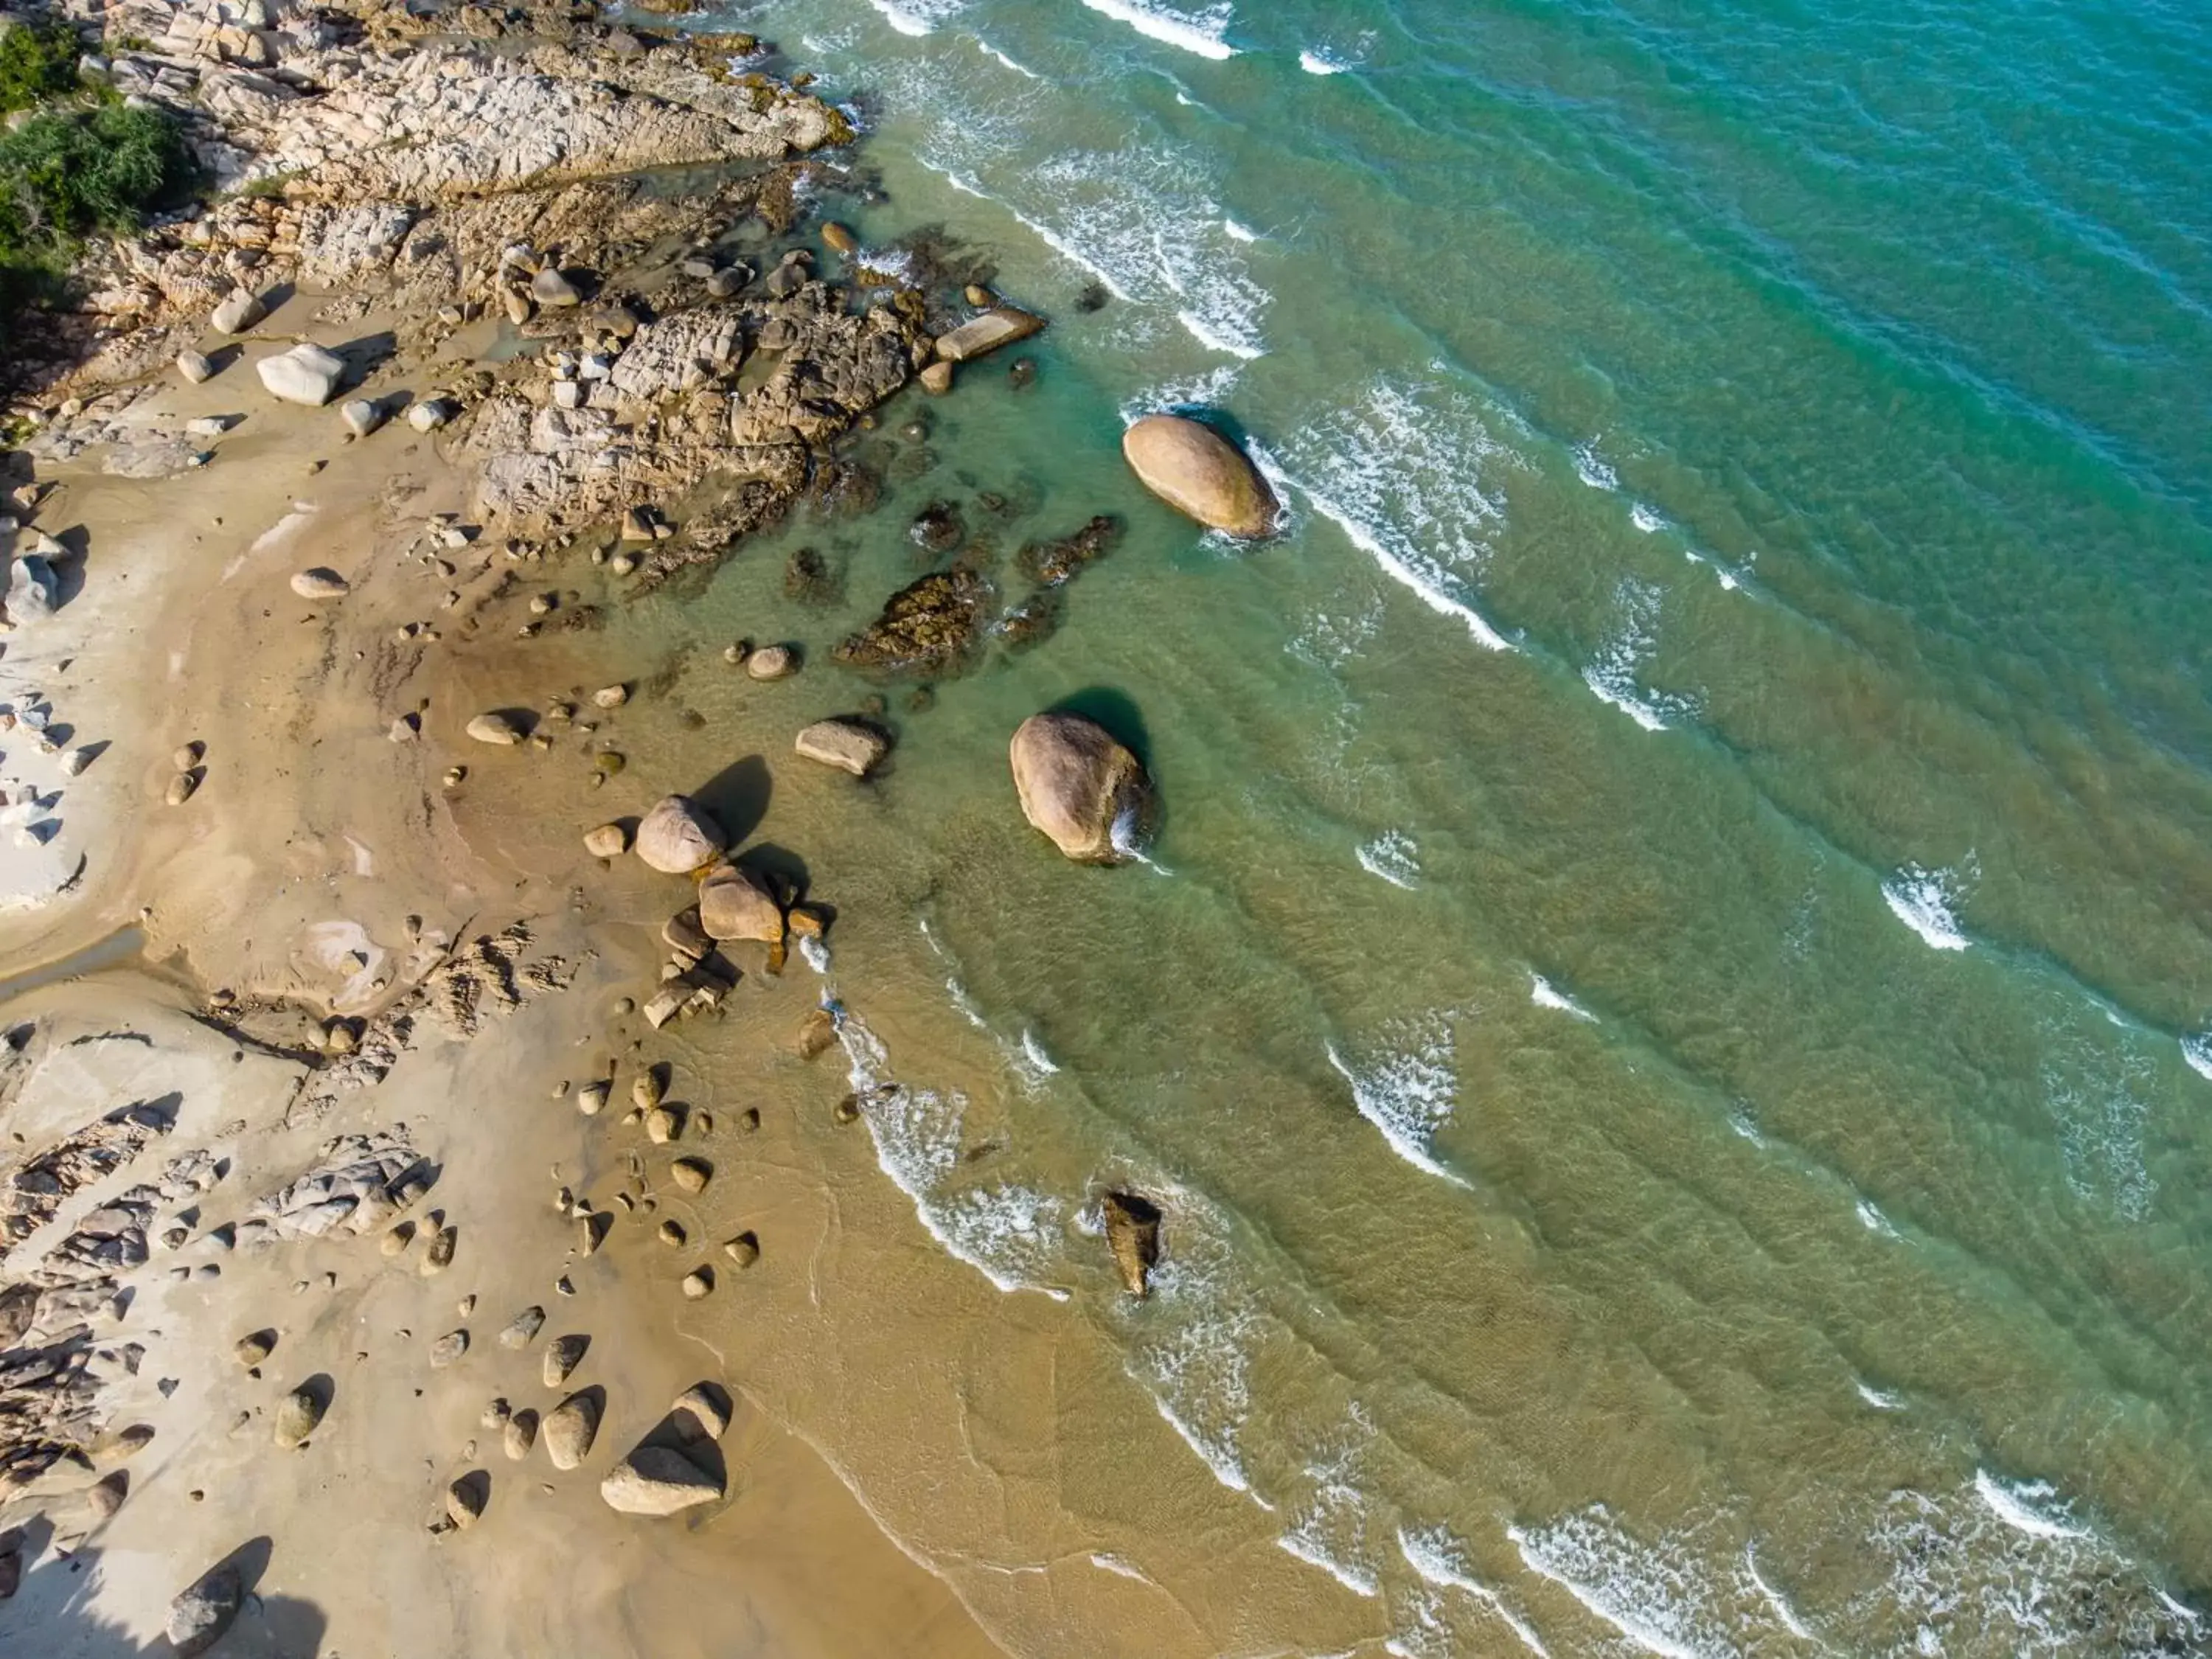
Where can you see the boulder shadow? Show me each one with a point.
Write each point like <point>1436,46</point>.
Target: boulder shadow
<point>1117,712</point>
<point>739,797</point>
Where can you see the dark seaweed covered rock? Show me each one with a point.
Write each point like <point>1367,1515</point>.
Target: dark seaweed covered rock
<point>1034,621</point>
<point>808,577</point>
<point>1050,563</point>
<point>937,528</point>
<point>932,625</point>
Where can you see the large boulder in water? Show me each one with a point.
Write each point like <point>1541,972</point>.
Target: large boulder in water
<point>1196,470</point>
<point>1077,784</point>
<point>679,835</point>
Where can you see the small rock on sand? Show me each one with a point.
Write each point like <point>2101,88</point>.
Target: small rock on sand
<point>592,1098</point>
<point>701,1412</point>
<point>817,1034</point>
<point>698,1283</point>
<point>252,1350</point>
<point>551,286</point>
<point>430,414</point>
<point>657,1480</point>
<point>644,1089</point>
<point>848,745</point>
<point>743,1249</point>
<point>440,1255</point>
<point>180,789</point>
<point>608,841</point>
<point>518,1434</point>
<point>678,835</point>
<point>562,1355</point>
<point>611,696</point>
<point>496,728</point>
<point>672,1234</point>
<point>297,1416</point>
<point>660,1125</point>
<point>522,1330</point>
<point>447,1349</point>
<point>362,415</point>
<point>305,375</point>
<point>691,1174</point>
<point>465,1499</point>
<point>396,1242</point>
<point>240,309</point>
<point>320,584</point>
<point>200,1614</point>
<point>569,1429</point>
<point>195,368</point>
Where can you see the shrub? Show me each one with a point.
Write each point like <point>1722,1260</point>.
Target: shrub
<point>67,173</point>
<point>38,62</point>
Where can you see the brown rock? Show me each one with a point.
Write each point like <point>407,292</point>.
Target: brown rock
<point>850,745</point>
<point>678,835</point>
<point>735,904</point>
<point>1197,471</point>
<point>817,1034</point>
<point>936,379</point>
<point>1132,1233</point>
<point>1077,785</point>
<point>608,840</point>
<point>1002,325</point>
<point>569,1429</point>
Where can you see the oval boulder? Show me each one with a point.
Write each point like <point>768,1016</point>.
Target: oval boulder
<point>1077,783</point>
<point>1196,470</point>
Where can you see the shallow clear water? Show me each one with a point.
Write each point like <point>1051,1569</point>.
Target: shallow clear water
<point>1673,1021</point>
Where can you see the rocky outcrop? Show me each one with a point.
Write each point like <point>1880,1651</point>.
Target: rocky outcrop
<point>1048,564</point>
<point>1080,786</point>
<point>1197,471</point>
<point>679,835</point>
<point>1132,1233</point>
<point>933,626</point>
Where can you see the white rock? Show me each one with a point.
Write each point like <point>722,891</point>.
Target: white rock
<point>306,374</point>
<point>241,308</point>
<point>362,415</point>
<point>194,367</point>
<point>320,584</point>
<point>430,414</point>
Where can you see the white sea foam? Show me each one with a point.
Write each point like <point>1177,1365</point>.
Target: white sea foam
<point>1435,1555</point>
<point>1880,1400</point>
<point>1117,1566</point>
<point>1309,1550</point>
<point>1594,471</point>
<point>917,17</point>
<point>1645,519</point>
<point>1331,642</point>
<point>1189,391</point>
<point>1034,1057</point>
<point>992,51</point>
<point>2026,1506</point>
<point>1200,33</point>
<point>2197,1051</point>
<point>1192,1348</point>
<point>1876,1222</point>
<point>1775,1599</point>
<point>1128,840</point>
<point>814,953</point>
<point>1924,901</point>
<point>1613,673</point>
<point>1409,1089</point>
<point>1007,1233</point>
<point>2000,1568</point>
<point>1393,856</point>
<point>1638,1592</point>
<point>1544,994</point>
<point>2098,1079</point>
<point>1320,63</point>
<point>1401,472</point>
<point>1237,232</point>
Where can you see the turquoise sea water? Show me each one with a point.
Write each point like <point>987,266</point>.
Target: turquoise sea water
<point>1672,1019</point>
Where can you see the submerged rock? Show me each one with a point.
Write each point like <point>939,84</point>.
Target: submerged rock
<point>1050,563</point>
<point>1197,471</point>
<point>932,625</point>
<point>678,835</point>
<point>1132,1233</point>
<point>1079,787</point>
<point>851,745</point>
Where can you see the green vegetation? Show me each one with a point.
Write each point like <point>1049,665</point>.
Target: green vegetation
<point>38,63</point>
<point>67,173</point>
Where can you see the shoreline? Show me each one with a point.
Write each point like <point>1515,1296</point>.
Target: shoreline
<point>317,893</point>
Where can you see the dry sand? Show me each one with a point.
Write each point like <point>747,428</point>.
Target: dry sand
<point>321,867</point>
